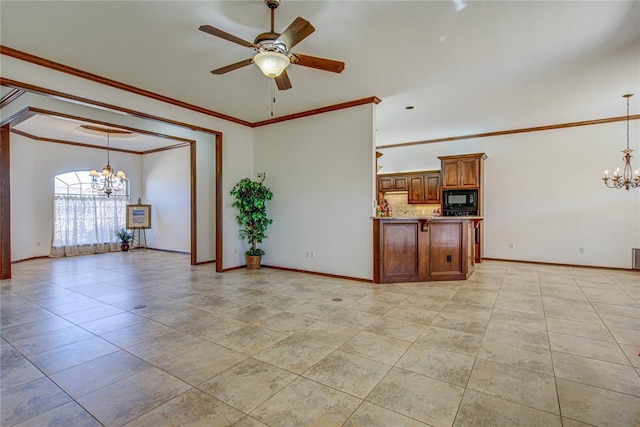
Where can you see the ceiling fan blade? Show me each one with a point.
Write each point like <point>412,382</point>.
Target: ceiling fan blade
<point>283,82</point>
<point>224,35</point>
<point>232,67</point>
<point>316,62</point>
<point>296,32</point>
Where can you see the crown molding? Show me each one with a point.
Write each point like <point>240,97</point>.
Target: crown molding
<point>363,101</point>
<point>513,131</point>
<point>27,57</point>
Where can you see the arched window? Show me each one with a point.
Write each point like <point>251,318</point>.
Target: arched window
<point>85,220</point>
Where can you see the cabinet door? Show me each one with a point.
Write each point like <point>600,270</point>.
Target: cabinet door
<point>432,190</point>
<point>400,251</point>
<point>449,174</point>
<point>400,183</point>
<point>469,173</point>
<point>445,248</point>
<point>416,190</point>
<point>464,173</point>
<point>385,183</point>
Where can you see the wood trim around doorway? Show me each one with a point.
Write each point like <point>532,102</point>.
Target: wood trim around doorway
<point>194,204</point>
<point>219,233</point>
<point>5,204</point>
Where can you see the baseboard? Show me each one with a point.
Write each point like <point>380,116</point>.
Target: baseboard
<point>176,252</point>
<point>131,249</point>
<point>162,250</point>
<point>559,264</point>
<point>317,273</point>
<point>224,270</point>
<point>295,270</point>
<point>29,259</point>
<point>205,262</point>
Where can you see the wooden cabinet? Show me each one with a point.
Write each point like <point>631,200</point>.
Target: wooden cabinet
<point>433,189</point>
<point>416,190</point>
<point>424,189</point>
<point>419,250</point>
<point>464,171</point>
<point>446,259</point>
<point>385,184</point>
<point>398,253</point>
<point>392,183</point>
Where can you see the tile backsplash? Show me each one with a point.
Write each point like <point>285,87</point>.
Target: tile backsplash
<point>399,205</point>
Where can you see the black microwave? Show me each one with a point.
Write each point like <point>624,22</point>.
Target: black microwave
<point>460,200</point>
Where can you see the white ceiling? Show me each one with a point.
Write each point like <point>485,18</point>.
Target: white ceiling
<point>467,67</point>
<point>70,130</point>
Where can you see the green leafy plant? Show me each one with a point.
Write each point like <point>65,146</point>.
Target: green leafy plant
<point>124,236</point>
<point>250,201</point>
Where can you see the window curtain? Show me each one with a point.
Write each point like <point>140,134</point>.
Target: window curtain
<point>86,224</point>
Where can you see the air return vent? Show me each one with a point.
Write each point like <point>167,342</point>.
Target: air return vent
<point>635,258</point>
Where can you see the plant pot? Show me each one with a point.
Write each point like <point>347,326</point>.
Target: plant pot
<point>253,262</point>
<point>124,247</point>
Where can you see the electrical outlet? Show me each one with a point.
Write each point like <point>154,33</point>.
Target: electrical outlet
<point>510,245</point>
<point>312,254</point>
<point>580,250</point>
<point>38,244</point>
<point>235,251</point>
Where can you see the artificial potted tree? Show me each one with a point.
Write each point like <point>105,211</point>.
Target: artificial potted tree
<point>125,237</point>
<point>250,201</point>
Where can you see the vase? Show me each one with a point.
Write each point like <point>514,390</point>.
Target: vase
<point>253,262</point>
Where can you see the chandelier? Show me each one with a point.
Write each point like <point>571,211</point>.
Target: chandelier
<point>108,181</point>
<point>626,180</point>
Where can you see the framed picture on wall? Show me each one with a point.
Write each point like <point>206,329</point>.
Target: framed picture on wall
<point>138,216</point>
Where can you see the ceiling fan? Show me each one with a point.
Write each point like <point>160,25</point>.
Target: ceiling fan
<point>273,50</point>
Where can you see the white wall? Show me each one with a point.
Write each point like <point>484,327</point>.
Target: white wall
<point>232,173</point>
<point>34,165</point>
<point>320,169</point>
<point>167,188</point>
<point>206,199</point>
<point>543,193</point>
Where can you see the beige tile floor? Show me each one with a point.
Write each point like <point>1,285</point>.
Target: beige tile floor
<point>516,344</point>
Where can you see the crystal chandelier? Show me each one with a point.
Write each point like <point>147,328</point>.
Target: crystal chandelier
<point>625,180</point>
<point>107,181</point>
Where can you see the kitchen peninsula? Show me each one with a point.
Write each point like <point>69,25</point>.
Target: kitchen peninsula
<point>418,247</point>
<point>423,249</point>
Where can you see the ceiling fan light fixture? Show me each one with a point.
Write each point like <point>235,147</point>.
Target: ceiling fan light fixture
<point>271,63</point>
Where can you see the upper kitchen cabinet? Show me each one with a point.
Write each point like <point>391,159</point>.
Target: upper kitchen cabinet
<point>462,171</point>
<point>424,188</point>
<point>392,183</point>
